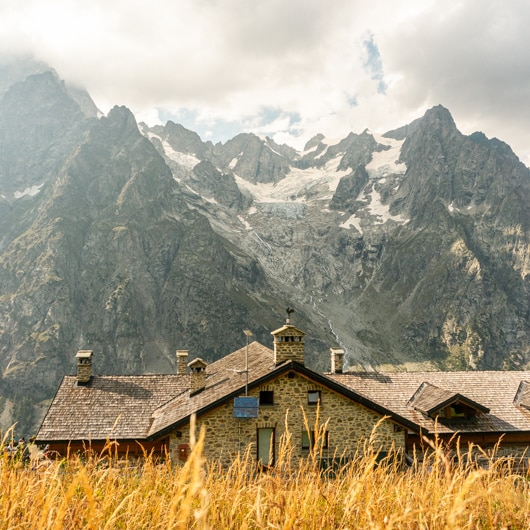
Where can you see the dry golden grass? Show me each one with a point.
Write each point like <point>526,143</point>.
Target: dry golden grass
<point>104,493</point>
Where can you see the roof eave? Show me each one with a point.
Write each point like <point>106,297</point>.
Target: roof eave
<point>89,441</point>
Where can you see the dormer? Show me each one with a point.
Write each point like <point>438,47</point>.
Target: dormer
<point>441,404</point>
<point>522,397</point>
<point>288,344</point>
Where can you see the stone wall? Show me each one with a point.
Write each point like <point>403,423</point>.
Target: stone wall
<point>347,423</point>
<point>84,372</point>
<point>288,351</point>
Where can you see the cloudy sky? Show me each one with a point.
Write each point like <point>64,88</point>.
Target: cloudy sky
<point>289,68</point>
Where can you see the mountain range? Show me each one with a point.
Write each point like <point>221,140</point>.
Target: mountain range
<point>409,249</point>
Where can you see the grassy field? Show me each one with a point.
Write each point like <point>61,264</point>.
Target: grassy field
<point>104,493</point>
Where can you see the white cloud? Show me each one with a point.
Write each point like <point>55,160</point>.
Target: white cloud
<point>233,61</point>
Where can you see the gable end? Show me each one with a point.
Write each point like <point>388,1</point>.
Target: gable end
<point>439,403</point>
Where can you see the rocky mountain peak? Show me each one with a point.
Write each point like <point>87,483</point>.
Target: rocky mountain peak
<point>443,164</point>
<point>314,142</point>
<point>251,158</point>
<point>39,123</point>
<point>17,68</point>
<point>438,116</point>
<point>121,118</point>
<point>179,138</point>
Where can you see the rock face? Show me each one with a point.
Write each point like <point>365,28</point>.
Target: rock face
<point>408,249</point>
<point>253,159</point>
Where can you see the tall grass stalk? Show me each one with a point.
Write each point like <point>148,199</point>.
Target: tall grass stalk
<point>438,492</point>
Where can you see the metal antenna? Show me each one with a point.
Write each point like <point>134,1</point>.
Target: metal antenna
<point>248,333</point>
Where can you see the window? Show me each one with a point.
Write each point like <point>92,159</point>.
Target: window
<point>313,397</point>
<point>309,439</point>
<point>266,397</point>
<point>456,411</point>
<point>306,442</point>
<point>459,411</point>
<point>265,446</point>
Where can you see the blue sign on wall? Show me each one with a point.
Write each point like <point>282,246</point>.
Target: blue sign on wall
<point>246,407</point>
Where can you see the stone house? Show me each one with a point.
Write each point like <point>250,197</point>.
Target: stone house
<point>255,397</point>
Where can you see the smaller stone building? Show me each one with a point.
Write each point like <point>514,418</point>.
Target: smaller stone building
<point>255,398</point>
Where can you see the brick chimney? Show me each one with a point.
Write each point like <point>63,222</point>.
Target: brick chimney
<point>182,362</point>
<point>197,375</point>
<point>84,366</point>
<point>337,360</point>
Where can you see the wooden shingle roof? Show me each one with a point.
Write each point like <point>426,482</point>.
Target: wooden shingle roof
<point>138,407</point>
<point>493,394</point>
<point>148,407</point>
<point>225,378</point>
<point>109,407</point>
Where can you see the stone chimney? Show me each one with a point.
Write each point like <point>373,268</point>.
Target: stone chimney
<point>337,360</point>
<point>197,375</point>
<point>288,344</point>
<point>182,362</point>
<point>84,366</point>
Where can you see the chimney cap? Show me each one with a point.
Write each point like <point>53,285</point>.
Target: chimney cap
<point>287,329</point>
<point>197,364</point>
<point>182,353</point>
<point>84,354</point>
